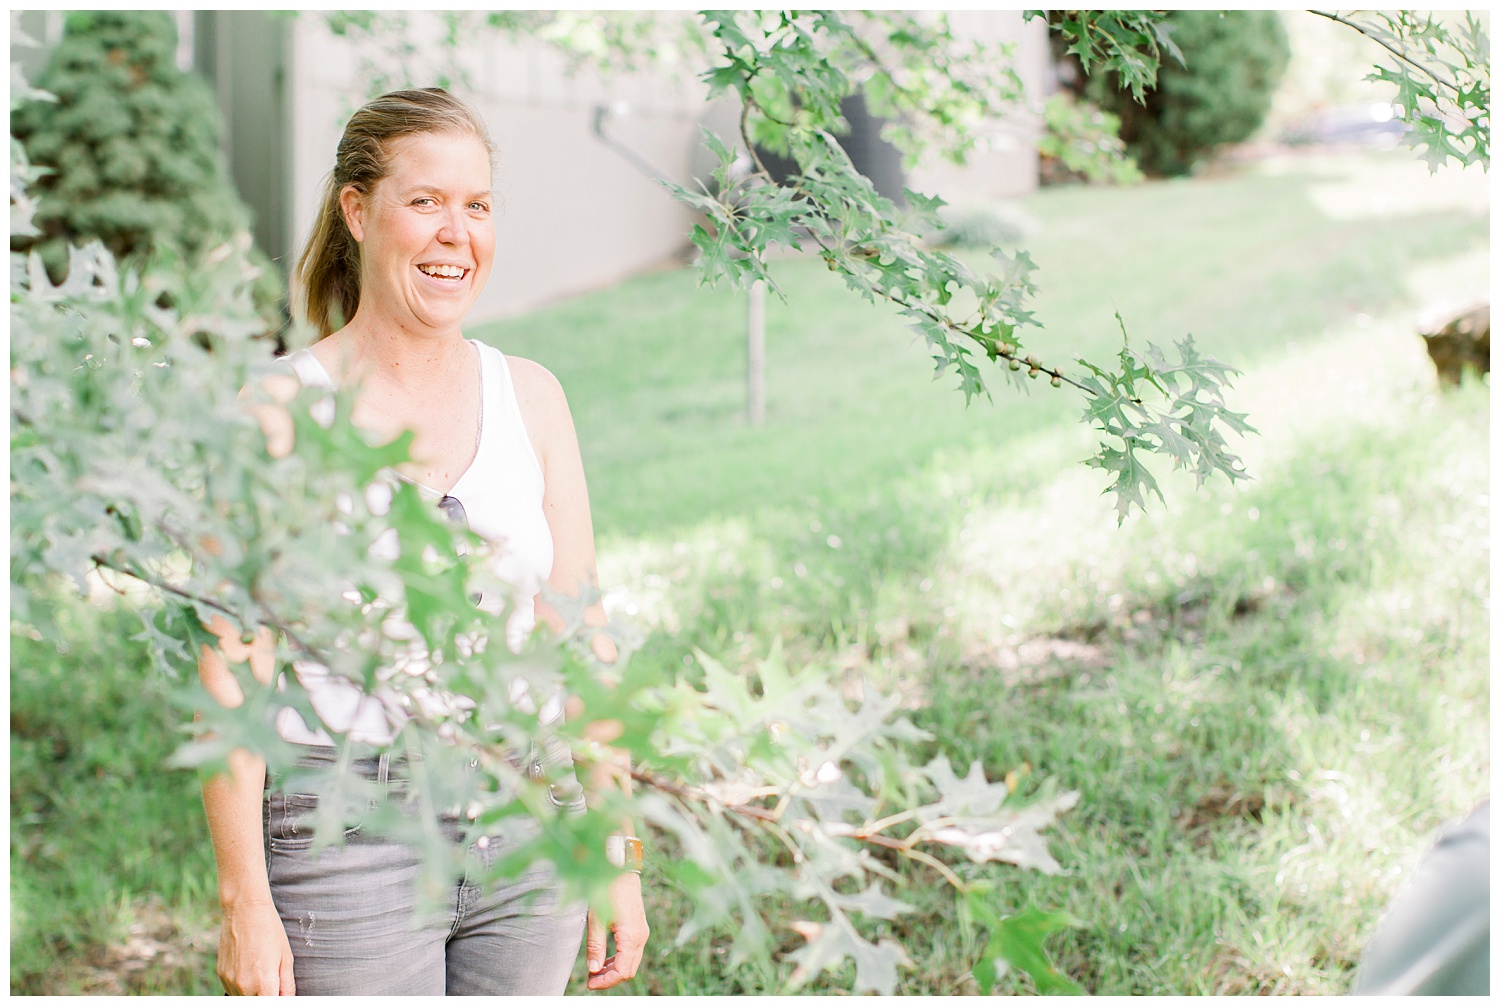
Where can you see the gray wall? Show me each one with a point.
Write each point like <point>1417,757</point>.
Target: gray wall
<point>243,54</point>
<point>1008,167</point>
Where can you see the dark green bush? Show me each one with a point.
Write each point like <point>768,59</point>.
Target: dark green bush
<point>1234,61</point>
<point>132,144</point>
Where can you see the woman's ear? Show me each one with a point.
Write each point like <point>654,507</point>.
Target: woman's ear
<point>352,202</point>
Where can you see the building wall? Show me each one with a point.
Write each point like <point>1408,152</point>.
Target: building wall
<point>1009,168</point>
<point>243,54</point>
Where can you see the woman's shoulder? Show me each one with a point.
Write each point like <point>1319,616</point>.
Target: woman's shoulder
<point>544,407</point>
<point>267,398</point>
<point>534,381</point>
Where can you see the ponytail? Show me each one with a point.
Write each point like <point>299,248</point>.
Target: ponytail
<point>326,287</point>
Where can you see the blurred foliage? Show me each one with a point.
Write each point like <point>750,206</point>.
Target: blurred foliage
<point>979,226</point>
<point>1081,141</point>
<point>1130,43</point>
<point>1442,79</point>
<point>130,145</point>
<point>1219,92</point>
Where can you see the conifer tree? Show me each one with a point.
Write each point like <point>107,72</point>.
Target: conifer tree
<point>132,147</point>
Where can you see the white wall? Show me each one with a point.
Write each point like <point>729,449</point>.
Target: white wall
<point>1009,168</point>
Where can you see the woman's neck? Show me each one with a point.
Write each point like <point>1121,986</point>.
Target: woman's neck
<point>403,358</point>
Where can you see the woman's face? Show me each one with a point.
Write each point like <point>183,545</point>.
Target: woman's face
<point>426,233</point>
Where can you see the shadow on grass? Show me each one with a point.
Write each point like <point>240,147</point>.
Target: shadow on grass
<point>1253,707</point>
<point>1255,718</point>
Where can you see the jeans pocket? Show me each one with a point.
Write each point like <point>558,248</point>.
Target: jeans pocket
<point>289,821</point>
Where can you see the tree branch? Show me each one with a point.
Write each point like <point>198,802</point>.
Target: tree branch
<point>868,51</point>
<point>106,563</point>
<point>1340,19</point>
<point>697,795</point>
<point>745,103</point>
<point>772,820</point>
<point>919,856</point>
<point>1003,350</point>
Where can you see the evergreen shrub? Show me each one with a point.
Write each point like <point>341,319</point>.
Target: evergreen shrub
<point>132,150</point>
<point>1234,61</point>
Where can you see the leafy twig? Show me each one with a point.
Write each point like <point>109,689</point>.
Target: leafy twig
<point>207,602</point>
<point>745,104</point>
<point>1348,23</point>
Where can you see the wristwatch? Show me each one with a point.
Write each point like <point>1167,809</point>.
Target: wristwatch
<point>625,851</point>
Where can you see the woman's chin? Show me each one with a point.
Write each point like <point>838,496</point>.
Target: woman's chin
<point>441,316</point>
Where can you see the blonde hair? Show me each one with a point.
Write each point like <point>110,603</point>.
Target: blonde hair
<point>327,275</point>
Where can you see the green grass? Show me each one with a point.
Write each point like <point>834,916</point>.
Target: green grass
<point>654,367</point>
<point>1269,696</point>
<point>112,880</point>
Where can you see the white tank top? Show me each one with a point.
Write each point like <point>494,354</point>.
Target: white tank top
<point>501,493</point>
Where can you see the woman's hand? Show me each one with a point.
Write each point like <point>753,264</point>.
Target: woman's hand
<point>255,958</point>
<point>630,929</point>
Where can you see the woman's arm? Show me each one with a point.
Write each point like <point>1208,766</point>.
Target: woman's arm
<point>254,955</point>
<point>565,501</point>
<point>566,505</point>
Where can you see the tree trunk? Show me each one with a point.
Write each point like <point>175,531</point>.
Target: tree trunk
<point>755,353</point>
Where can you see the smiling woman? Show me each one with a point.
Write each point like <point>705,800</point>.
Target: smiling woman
<point>401,248</point>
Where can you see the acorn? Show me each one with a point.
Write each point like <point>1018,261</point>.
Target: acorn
<point>1015,364</point>
<point>1056,382</point>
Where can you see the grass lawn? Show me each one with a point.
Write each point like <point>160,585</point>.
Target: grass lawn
<point>1270,696</point>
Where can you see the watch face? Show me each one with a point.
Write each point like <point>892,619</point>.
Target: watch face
<point>634,854</point>
<point>625,851</point>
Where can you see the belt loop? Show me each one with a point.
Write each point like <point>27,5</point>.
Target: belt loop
<point>383,771</point>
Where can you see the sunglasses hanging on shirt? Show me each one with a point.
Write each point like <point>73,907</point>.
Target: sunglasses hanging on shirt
<point>452,509</point>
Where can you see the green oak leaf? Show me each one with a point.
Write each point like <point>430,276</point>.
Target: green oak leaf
<point>1132,478</point>
<point>1017,941</point>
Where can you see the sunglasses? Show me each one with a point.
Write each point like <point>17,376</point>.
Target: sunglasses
<point>453,510</point>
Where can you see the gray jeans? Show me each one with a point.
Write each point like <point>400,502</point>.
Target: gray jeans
<point>352,916</point>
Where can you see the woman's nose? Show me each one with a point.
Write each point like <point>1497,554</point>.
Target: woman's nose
<point>454,229</point>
